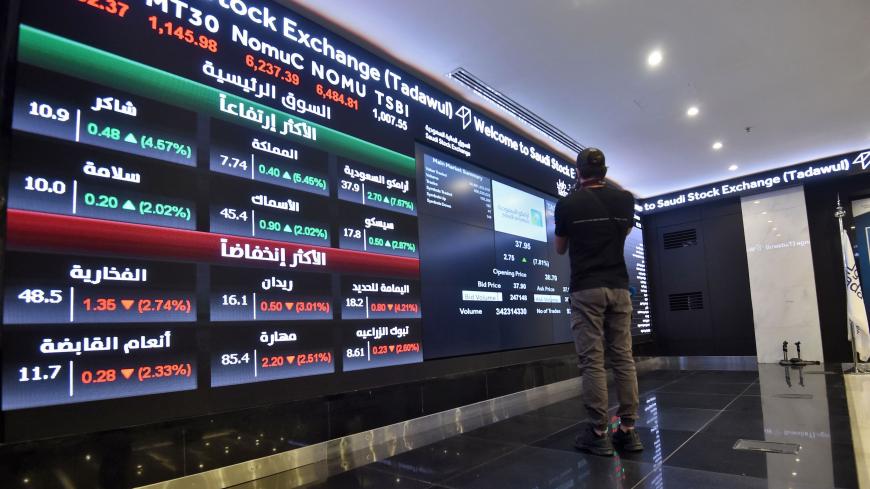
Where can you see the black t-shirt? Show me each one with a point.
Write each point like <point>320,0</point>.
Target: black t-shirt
<point>596,237</point>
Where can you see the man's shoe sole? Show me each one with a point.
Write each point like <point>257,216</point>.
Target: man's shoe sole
<point>630,449</point>
<point>595,451</point>
<point>626,448</point>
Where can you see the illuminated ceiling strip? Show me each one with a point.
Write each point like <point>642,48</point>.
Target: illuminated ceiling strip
<point>511,106</point>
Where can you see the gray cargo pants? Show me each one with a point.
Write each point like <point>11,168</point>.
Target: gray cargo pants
<point>602,318</point>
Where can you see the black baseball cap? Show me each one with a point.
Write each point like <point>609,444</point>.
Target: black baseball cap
<point>591,157</point>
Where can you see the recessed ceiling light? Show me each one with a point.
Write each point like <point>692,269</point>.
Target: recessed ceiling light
<point>693,111</point>
<point>756,202</point>
<point>655,58</point>
<point>770,221</point>
<point>732,168</point>
<point>717,145</point>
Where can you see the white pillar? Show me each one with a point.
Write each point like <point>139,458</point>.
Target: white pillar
<point>781,278</point>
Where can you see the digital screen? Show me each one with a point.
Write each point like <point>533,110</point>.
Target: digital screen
<point>488,260</point>
<point>209,194</point>
<point>491,277</point>
<point>635,261</point>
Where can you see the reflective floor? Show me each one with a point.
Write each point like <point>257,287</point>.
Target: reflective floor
<point>690,421</point>
<point>858,390</point>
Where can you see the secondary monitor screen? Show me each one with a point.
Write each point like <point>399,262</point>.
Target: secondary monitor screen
<point>491,277</point>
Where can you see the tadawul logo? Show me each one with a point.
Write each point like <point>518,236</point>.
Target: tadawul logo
<point>862,159</point>
<point>464,113</point>
<point>535,218</point>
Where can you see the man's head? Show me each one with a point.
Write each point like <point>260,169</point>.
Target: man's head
<point>590,165</point>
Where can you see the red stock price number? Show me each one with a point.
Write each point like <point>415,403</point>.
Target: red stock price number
<point>395,349</point>
<point>300,360</point>
<point>99,376</point>
<point>272,69</point>
<point>393,307</point>
<point>337,97</point>
<point>182,34</point>
<point>109,6</point>
<point>141,374</point>
<point>299,307</point>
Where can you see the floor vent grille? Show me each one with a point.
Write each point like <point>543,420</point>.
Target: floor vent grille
<point>767,446</point>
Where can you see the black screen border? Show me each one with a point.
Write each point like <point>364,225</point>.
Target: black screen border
<point>53,421</point>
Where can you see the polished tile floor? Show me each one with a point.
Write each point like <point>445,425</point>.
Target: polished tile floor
<point>858,390</point>
<point>689,423</point>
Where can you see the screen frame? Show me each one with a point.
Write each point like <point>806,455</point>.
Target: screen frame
<point>8,61</point>
<point>53,421</point>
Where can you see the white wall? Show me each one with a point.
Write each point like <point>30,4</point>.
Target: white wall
<point>781,279</point>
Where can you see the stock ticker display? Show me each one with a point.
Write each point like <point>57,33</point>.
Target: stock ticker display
<point>229,170</point>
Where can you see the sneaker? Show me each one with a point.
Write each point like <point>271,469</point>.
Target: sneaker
<point>589,441</point>
<point>627,441</point>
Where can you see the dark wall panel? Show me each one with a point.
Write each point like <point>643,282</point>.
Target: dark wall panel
<point>682,297</point>
<point>730,301</point>
<point>718,320</point>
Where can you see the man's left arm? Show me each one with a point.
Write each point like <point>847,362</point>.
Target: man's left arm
<point>631,212</point>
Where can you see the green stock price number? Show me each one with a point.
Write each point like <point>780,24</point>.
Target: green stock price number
<point>99,200</point>
<point>107,132</point>
<point>144,141</point>
<point>295,230</point>
<point>294,177</point>
<point>271,226</point>
<point>392,244</point>
<point>144,207</point>
<point>165,210</point>
<point>390,201</point>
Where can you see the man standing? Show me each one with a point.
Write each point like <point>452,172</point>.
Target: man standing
<point>591,225</point>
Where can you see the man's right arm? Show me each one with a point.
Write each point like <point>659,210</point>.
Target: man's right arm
<point>561,245</point>
<point>561,233</point>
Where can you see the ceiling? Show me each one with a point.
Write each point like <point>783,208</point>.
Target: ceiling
<point>797,72</point>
